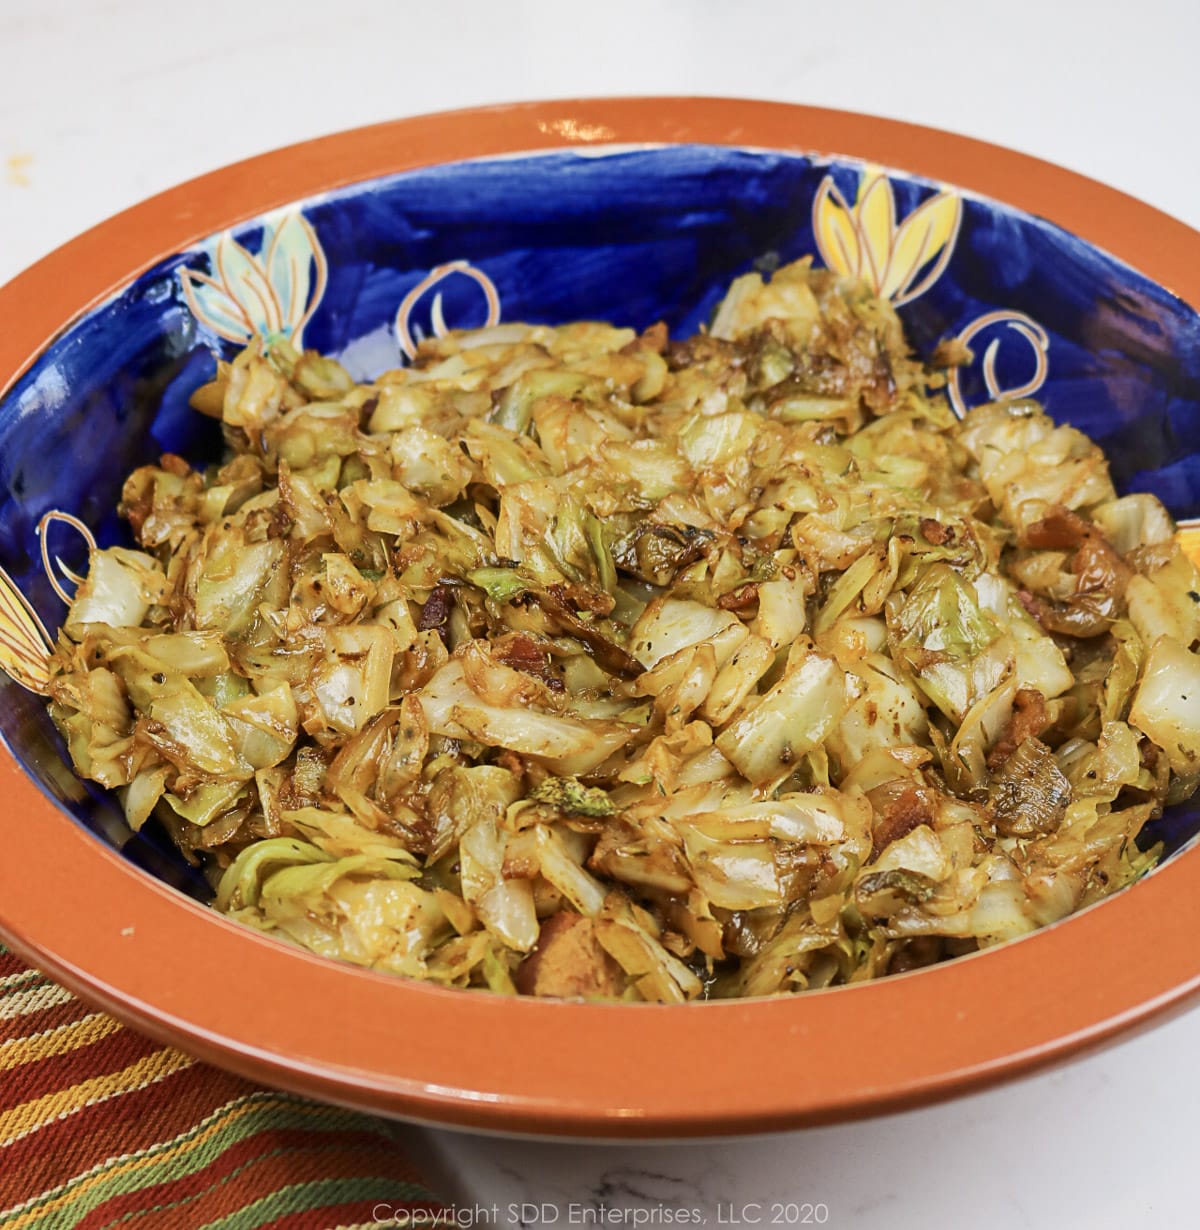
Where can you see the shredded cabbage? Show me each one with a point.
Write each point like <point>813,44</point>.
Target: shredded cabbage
<point>584,663</point>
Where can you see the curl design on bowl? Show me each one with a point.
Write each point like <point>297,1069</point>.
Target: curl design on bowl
<point>49,519</point>
<point>269,293</point>
<point>866,241</point>
<point>1025,327</point>
<point>407,335</point>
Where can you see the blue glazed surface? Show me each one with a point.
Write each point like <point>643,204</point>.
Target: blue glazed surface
<point>628,236</point>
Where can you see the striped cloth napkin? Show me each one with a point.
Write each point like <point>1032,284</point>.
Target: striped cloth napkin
<point>104,1129</point>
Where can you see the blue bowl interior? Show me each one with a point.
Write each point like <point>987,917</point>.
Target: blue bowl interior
<point>629,236</point>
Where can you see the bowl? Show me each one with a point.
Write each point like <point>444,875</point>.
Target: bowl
<point>628,210</point>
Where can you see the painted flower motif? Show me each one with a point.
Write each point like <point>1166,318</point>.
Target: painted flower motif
<point>864,240</point>
<point>25,645</point>
<point>269,293</point>
<point>24,642</point>
<point>408,336</point>
<point>1024,327</point>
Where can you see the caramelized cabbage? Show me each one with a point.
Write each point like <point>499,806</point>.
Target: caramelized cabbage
<point>577,662</point>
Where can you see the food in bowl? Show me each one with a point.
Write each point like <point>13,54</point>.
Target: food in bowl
<point>575,662</point>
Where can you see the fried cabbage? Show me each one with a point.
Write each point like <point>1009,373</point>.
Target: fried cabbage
<point>585,663</point>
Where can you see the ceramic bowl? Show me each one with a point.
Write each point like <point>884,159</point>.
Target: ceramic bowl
<point>630,211</point>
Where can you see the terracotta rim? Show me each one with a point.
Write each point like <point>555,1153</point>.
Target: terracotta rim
<point>185,975</point>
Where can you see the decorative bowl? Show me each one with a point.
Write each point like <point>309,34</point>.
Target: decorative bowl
<point>627,210</point>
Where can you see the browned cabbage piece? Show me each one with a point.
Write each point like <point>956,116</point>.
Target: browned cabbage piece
<point>578,662</point>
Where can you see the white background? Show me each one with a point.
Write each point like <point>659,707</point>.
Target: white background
<point>102,104</point>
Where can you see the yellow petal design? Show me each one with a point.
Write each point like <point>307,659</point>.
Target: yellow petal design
<point>835,231</point>
<point>867,242</point>
<point>875,213</point>
<point>927,234</point>
<point>24,642</point>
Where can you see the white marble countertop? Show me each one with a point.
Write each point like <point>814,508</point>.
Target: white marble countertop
<point>103,103</point>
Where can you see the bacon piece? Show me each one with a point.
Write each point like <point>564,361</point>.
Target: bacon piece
<point>654,338</point>
<point>907,811</point>
<point>568,963</point>
<point>916,953</point>
<point>1059,529</point>
<point>739,599</point>
<point>523,653</point>
<point>1029,719</point>
<point>436,611</point>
